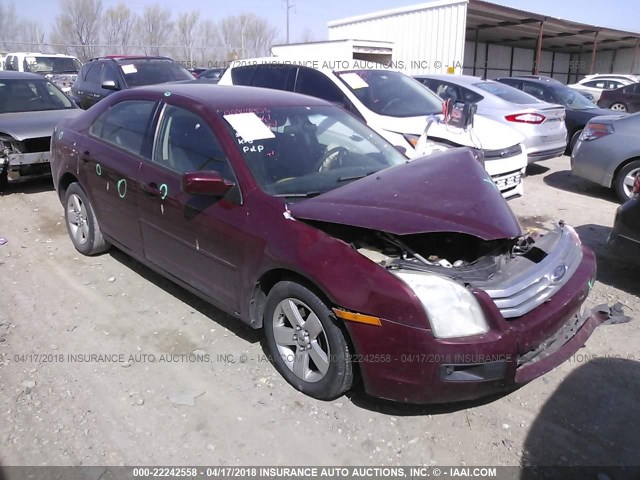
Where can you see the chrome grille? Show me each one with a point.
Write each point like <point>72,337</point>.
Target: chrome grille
<point>525,285</point>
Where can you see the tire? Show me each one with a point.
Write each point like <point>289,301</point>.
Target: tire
<point>573,141</point>
<point>623,181</point>
<point>618,107</point>
<point>299,328</point>
<point>4,179</point>
<point>81,222</point>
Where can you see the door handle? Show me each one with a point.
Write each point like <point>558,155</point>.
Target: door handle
<point>151,189</point>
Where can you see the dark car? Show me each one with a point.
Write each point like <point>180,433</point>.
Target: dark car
<point>579,109</point>
<point>292,215</point>
<point>212,74</point>
<point>625,237</point>
<point>30,107</point>
<point>623,99</point>
<point>102,76</point>
<point>196,72</point>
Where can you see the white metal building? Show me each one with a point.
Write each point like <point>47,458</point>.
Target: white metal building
<point>483,38</point>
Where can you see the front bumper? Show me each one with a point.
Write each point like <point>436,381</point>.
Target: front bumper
<point>408,364</point>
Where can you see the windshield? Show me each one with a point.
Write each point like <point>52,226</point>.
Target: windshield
<point>149,72</point>
<point>306,151</point>
<point>507,93</point>
<point>571,98</point>
<point>31,96</point>
<point>51,65</point>
<point>391,93</point>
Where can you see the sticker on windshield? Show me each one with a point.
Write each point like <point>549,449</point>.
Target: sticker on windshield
<point>128,68</point>
<point>354,80</point>
<point>249,126</point>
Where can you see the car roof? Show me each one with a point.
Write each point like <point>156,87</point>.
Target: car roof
<point>118,58</point>
<point>534,79</point>
<point>236,97</point>
<point>459,79</point>
<point>13,75</point>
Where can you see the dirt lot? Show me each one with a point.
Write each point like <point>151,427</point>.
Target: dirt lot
<point>57,410</point>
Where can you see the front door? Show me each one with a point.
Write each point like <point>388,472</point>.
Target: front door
<point>192,237</point>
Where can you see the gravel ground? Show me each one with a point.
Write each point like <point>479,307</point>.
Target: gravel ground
<point>235,409</point>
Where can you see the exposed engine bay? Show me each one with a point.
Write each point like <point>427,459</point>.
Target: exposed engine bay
<point>21,158</point>
<point>518,273</point>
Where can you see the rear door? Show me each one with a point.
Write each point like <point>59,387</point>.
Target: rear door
<point>90,90</point>
<point>194,238</point>
<point>119,139</point>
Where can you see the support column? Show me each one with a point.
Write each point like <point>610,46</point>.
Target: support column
<point>635,57</point>
<point>475,52</point>
<point>538,58</point>
<point>593,53</point>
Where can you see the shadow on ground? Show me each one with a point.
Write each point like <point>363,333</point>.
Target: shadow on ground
<point>234,325</point>
<point>585,425</point>
<point>34,185</point>
<point>535,169</point>
<point>566,181</point>
<point>613,270</point>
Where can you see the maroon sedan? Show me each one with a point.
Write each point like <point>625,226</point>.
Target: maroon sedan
<point>292,215</point>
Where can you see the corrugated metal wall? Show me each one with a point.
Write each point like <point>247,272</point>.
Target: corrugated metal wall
<point>565,67</point>
<point>426,40</point>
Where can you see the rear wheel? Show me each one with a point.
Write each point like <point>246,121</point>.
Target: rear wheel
<point>82,224</point>
<point>574,140</point>
<point>618,107</point>
<point>307,347</point>
<point>623,182</point>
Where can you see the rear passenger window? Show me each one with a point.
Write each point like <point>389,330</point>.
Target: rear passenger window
<point>243,75</point>
<point>274,76</point>
<point>124,125</point>
<point>95,74</point>
<point>316,84</point>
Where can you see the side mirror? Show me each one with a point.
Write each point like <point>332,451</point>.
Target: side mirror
<point>401,149</point>
<point>110,85</point>
<point>205,183</point>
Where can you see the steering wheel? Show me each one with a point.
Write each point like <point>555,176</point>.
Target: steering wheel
<point>329,159</point>
<point>34,100</point>
<point>391,102</point>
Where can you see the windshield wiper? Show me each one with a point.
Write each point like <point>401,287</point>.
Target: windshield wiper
<point>298,195</point>
<point>354,177</point>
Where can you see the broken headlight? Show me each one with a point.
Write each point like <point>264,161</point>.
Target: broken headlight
<point>453,310</point>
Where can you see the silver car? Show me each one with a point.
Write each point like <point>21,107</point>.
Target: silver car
<point>542,124</point>
<point>607,153</point>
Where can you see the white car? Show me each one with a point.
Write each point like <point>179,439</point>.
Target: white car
<point>61,70</point>
<point>595,84</point>
<point>394,105</point>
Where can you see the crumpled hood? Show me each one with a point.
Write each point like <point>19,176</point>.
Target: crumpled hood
<point>487,133</point>
<point>444,192</point>
<point>24,125</point>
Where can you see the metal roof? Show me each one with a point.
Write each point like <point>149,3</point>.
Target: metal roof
<point>519,28</point>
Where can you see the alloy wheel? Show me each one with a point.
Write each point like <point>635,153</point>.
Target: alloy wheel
<point>77,219</point>
<point>301,340</point>
<point>629,180</point>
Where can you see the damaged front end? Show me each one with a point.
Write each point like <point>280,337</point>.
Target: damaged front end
<point>28,157</point>
<point>518,274</point>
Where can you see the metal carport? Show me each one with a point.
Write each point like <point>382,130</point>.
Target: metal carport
<point>506,41</point>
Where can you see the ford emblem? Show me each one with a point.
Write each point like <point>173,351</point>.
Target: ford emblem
<point>559,273</point>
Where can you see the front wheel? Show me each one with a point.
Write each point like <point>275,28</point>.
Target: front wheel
<point>82,224</point>
<point>307,347</point>
<point>618,107</point>
<point>623,182</point>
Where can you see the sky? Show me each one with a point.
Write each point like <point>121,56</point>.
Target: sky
<point>313,15</point>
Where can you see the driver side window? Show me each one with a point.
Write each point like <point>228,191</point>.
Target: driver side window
<point>185,143</point>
